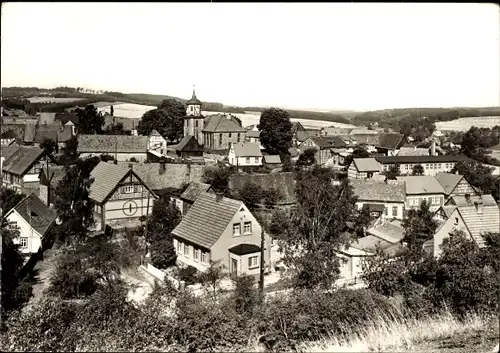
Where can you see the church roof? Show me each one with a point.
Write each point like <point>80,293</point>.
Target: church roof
<point>193,100</point>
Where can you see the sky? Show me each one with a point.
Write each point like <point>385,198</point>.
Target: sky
<point>323,56</point>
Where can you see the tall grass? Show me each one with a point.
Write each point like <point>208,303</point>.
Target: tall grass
<point>395,334</point>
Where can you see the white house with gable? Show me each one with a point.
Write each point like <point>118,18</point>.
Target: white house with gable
<point>245,154</point>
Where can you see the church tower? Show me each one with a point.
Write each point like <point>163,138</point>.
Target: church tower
<point>193,122</point>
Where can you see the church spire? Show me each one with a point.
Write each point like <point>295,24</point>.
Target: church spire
<point>194,100</point>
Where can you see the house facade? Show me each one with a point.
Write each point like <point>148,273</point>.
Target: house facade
<point>22,169</point>
<point>189,147</point>
<point>217,228</point>
<point>245,155</point>
<point>222,130</point>
<point>373,193</point>
<point>363,168</point>
<point>119,195</point>
<point>322,145</point>
<point>420,188</point>
<point>156,142</point>
<point>455,185</point>
<point>33,220</point>
<point>432,165</point>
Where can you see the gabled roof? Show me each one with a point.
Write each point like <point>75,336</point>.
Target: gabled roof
<point>388,231</point>
<point>194,190</point>
<point>357,131</point>
<point>173,177</point>
<point>7,151</point>
<point>65,134</point>
<point>34,211</point>
<point>366,164</point>
<point>22,159</point>
<point>448,181</point>
<point>333,131</point>
<point>413,151</point>
<point>106,177</point>
<point>222,123</point>
<point>207,219</point>
<point>421,185</point>
<point>283,182</point>
<point>154,133</point>
<point>112,143</point>
<point>390,141</point>
<point>9,134</point>
<point>272,159</point>
<point>366,139</point>
<point>47,132</point>
<point>372,190</point>
<point>304,135</point>
<point>421,159</point>
<point>65,117</point>
<point>325,142</point>
<point>184,142</point>
<point>448,210</point>
<point>479,223</point>
<point>247,149</point>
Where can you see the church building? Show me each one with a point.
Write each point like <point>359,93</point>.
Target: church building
<point>193,122</point>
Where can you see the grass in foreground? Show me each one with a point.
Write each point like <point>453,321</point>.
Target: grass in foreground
<point>442,333</point>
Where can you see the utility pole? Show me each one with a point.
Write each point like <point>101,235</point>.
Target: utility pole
<point>261,279</point>
<point>146,227</point>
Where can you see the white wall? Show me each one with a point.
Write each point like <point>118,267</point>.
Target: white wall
<point>25,231</point>
<point>141,157</point>
<point>389,205</point>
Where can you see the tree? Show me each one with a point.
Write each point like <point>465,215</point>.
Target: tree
<point>116,129</point>
<point>245,295</point>
<point>275,131</point>
<point>363,218</point>
<point>417,170</point>
<point>311,235</point>
<point>306,159</point>
<point>73,206</point>
<point>251,194</point>
<point>477,174</point>
<point>476,141</point>
<point>9,198</point>
<point>90,120</point>
<point>218,178</point>
<point>359,152</point>
<point>12,263</point>
<point>167,119</point>
<point>164,218</point>
<point>393,172</point>
<point>69,154</point>
<point>50,147</point>
<point>419,226</point>
<point>211,278</point>
<point>420,128</point>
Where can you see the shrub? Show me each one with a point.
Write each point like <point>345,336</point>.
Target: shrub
<point>163,253</point>
<point>245,295</point>
<point>189,275</point>
<point>70,280</point>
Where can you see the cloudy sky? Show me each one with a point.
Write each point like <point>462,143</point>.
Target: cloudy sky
<point>323,56</point>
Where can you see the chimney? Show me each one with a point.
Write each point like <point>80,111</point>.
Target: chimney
<point>131,165</point>
<point>218,196</point>
<point>433,147</point>
<point>479,206</point>
<point>467,198</point>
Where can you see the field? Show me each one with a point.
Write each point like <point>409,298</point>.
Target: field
<point>53,100</point>
<point>464,124</point>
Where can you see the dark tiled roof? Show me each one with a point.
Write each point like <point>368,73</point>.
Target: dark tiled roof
<point>421,184</point>
<point>448,181</point>
<point>112,143</point>
<point>366,139</point>
<point>272,159</point>
<point>479,223</point>
<point>106,177</point>
<point>461,200</point>
<point>22,160</point>
<point>33,210</point>
<point>65,117</point>
<point>420,159</point>
<point>50,132</point>
<point>7,151</point>
<point>325,142</point>
<point>184,142</point>
<point>194,190</point>
<point>304,135</point>
<point>388,231</point>
<point>207,219</point>
<point>128,123</point>
<point>332,131</point>
<point>9,134</point>
<point>47,118</point>
<point>390,141</point>
<point>194,99</point>
<point>372,190</point>
<point>244,249</point>
<point>56,172</point>
<point>65,134</point>
<point>173,177</point>
<point>247,149</point>
<point>363,131</point>
<point>222,123</point>
<point>283,182</point>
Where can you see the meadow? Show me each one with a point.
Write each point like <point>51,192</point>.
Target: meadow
<point>464,124</point>
<point>53,100</point>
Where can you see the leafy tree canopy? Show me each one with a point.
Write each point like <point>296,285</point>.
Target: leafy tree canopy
<point>275,131</point>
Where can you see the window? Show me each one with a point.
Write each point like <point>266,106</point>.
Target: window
<point>256,159</point>
<point>394,211</point>
<point>191,108</point>
<point>196,255</point>
<point>253,262</point>
<point>238,137</point>
<point>385,211</point>
<point>456,220</point>
<point>236,229</point>
<point>247,227</point>
<point>186,250</point>
<point>128,189</point>
<point>179,247</point>
<point>204,257</point>
<point>248,160</point>
<point>220,139</point>
<point>24,242</point>
<point>230,135</point>
<point>435,200</point>
<point>196,123</point>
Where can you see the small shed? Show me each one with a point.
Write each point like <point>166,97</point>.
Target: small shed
<point>272,161</point>
<point>189,147</point>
